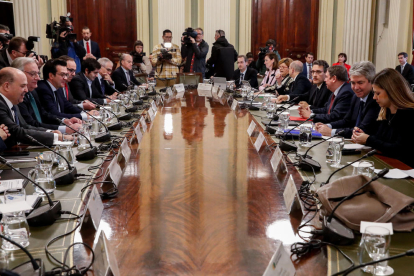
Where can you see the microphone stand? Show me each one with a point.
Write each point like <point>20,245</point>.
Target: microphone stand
<point>333,230</point>
<point>114,126</point>
<point>44,215</point>
<point>251,107</point>
<point>130,109</point>
<point>276,117</point>
<point>86,154</point>
<point>139,102</point>
<point>103,137</point>
<point>288,146</point>
<point>62,178</point>
<point>126,116</point>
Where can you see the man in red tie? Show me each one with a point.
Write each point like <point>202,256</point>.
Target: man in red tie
<point>339,102</point>
<point>91,47</point>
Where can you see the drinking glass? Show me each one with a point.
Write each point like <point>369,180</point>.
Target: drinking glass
<point>265,102</point>
<point>338,144</point>
<point>67,152</point>
<point>42,175</point>
<point>364,168</point>
<point>243,92</point>
<point>83,142</point>
<point>330,153</point>
<point>270,110</point>
<point>47,158</point>
<point>305,136</point>
<point>377,241</point>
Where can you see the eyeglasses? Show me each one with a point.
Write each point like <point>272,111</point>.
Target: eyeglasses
<point>71,70</point>
<point>283,67</point>
<point>21,52</point>
<point>63,75</point>
<point>33,74</point>
<point>316,72</point>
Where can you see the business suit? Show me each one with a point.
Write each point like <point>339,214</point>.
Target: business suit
<point>300,86</point>
<point>49,121</point>
<point>19,132</point>
<point>250,75</point>
<point>59,105</point>
<point>315,97</point>
<point>368,117</point>
<point>4,61</point>
<point>339,108</point>
<point>120,79</point>
<point>305,69</point>
<point>94,47</point>
<point>109,90</point>
<point>408,72</point>
<point>3,146</point>
<point>80,90</point>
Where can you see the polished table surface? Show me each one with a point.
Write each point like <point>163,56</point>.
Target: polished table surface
<point>197,199</point>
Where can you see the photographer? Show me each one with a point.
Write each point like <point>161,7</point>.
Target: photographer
<point>270,48</point>
<point>142,64</point>
<point>166,57</point>
<point>5,36</point>
<point>17,48</point>
<point>195,50</point>
<point>67,44</point>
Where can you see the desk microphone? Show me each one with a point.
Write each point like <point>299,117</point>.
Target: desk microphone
<point>44,215</point>
<point>308,164</point>
<point>290,146</point>
<point>33,267</point>
<point>251,107</point>
<point>371,153</point>
<point>127,109</point>
<point>114,126</point>
<point>291,103</point>
<point>276,117</point>
<point>86,154</point>
<point>139,102</point>
<point>102,137</point>
<point>126,116</point>
<point>333,230</point>
<point>61,178</point>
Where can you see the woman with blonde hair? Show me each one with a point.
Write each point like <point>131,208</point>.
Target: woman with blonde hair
<point>272,71</point>
<point>284,81</point>
<point>395,134</point>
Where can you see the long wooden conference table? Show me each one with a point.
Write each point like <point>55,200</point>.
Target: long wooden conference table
<point>196,198</point>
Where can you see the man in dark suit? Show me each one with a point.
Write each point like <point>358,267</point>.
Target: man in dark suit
<point>300,84</point>
<point>307,66</point>
<point>244,73</point>
<point>4,134</point>
<point>318,94</point>
<point>103,81</point>
<point>31,109</point>
<point>405,69</point>
<point>91,47</point>
<point>17,48</point>
<point>13,87</point>
<point>51,94</point>
<point>339,101</point>
<point>123,75</point>
<point>364,110</point>
<point>82,86</point>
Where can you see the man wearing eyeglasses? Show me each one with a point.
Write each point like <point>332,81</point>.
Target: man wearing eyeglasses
<point>31,109</point>
<point>103,82</point>
<point>17,48</point>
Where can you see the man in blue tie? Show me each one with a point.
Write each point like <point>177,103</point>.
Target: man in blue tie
<point>364,110</point>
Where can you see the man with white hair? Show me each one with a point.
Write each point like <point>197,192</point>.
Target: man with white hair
<point>103,81</point>
<point>123,75</point>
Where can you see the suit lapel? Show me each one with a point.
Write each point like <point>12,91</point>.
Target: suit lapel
<point>7,107</point>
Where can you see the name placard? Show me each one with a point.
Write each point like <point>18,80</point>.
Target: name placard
<point>252,126</point>
<point>204,86</point>
<point>215,89</point>
<point>151,114</point>
<point>143,124</point>
<point>221,92</point>
<point>154,106</point>
<point>105,261</point>
<point>125,150</point>
<point>179,88</point>
<point>234,105</point>
<point>259,142</point>
<point>138,133</point>
<point>179,95</point>
<point>280,264</point>
<point>95,207</point>
<point>291,196</point>
<point>169,91</point>
<point>276,157</point>
<point>115,171</point>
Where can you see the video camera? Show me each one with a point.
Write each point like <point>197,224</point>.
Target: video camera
<point>137,57</point>
<point>54,29</point>
<point>4,37</point>
<point>265,50</point>
<point>189,32</point>
<point>30,46</point>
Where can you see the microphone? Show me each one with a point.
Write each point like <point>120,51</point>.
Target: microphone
<point>33,267</point>
<point>130,109</point>
<point>103,137</point>
<point>86,154</point>
<point>114,126</point>
<point>290,146</point>
<point>124,117</point>
<point>44,215</point>
<point>61,178</point>
<point>139,102</point>
<point>291,103</point>
<point>371,153</point>
<point>306,163</point>
<point>276,117</point>
<point>251,107</point>
<point>333,230</point>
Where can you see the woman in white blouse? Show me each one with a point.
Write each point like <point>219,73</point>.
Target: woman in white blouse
<point>272,71</point>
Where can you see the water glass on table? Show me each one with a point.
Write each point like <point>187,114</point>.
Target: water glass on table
<point>305,135</point>
<point>364,168</point>
<point>270,110</point>
<point>42,175</point>
<point>337,144</point>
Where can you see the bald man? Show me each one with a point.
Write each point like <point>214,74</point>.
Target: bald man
<point>13,87</point>
<point>123,75</point>
<point>300,84</point>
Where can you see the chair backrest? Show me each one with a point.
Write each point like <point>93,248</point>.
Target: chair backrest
<point>189,78</point>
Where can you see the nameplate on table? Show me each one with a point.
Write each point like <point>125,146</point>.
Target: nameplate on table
<point>179,95</point>
<point>291,196</point>
<point>252,126</point>
<point>214,90</point>
<point>169,91</point>
<point>204,86</point>
<point>234,105</point>
<point>105,263</point>
<point>115,171</point>
<point>125,150</point>
<point>95,207</point>
<point>11,184</point>
<point>138,133</point>
<point>259,142</point>
<point>143,124</point>
<point>17,206</point>
<point>151,114</point>
<point>179,88</point>
<point>221,92</point>
<point>276,158</point>
<point>386,225</point>
<point>280,264</point>
<point>154,106</point>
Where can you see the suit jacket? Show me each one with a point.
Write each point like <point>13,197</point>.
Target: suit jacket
<point>80,90</point>
<point>28,114</point>
<point>300,86</point>
<point>94,48</point>
<point>368,121</point>
<point>315,98</point>
<point>121,82</point>
<point>250,75</point>
<point>408,72</point>
<point>18,133</point>
<point>223,57</point>
<point>52,104</point>
<point>3,146</point>
<point>109,90</point>
<point>340,106</point>
<point>70,97</point>
<point>4,61</point>
<point>305,69</point>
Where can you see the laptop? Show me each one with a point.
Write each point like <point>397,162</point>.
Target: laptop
<point>220,82</point>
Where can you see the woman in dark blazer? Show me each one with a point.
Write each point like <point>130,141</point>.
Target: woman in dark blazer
<point>395,133</point>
